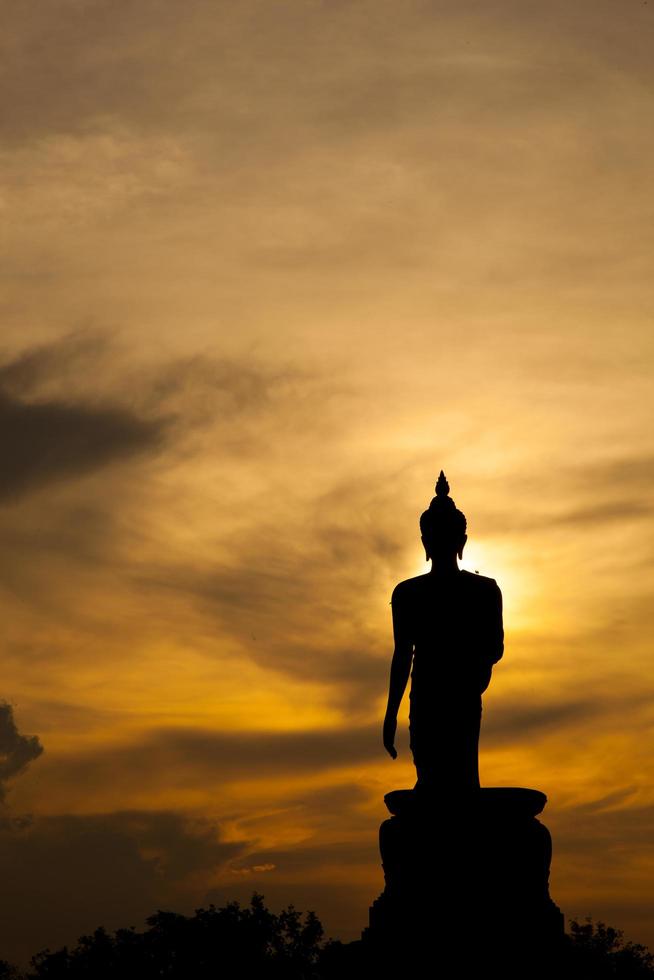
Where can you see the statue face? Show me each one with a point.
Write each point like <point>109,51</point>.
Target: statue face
<point>444,546</point>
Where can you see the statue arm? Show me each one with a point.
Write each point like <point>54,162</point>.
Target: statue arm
<point>400,671</point>
<point>496,631</point>
<point>493,638</point>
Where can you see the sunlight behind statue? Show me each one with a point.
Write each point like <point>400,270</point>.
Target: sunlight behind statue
<point>447,623</point>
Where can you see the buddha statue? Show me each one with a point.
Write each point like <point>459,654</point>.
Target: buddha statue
<point>448,634</point>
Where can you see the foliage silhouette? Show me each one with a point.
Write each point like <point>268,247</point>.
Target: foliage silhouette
<point>9,972</point>
<point>248,942</point>
<point>213,943</point>
<point>594,952</point>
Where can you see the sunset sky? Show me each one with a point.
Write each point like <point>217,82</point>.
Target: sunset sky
<point>267,267</point>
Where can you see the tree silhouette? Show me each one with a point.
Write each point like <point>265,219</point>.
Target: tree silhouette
<point>252,942</point>
<point>9,972</point>
<point>213,943</point>
<point>596,951</point>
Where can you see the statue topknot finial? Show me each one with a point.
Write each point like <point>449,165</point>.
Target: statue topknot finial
<point>442,487</point>
<point>442,511</point>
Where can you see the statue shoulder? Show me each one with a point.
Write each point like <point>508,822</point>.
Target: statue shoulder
<point>405,589</point>
<point>481,582</point>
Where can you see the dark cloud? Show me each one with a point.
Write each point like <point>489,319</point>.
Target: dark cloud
<point>617,489</point>
<point>262,754</point>
<point>610,801</point>
<point>117,868</point>
<point>234,387</point>
<point>329,801</point>
<point>53,428</point>
<point>49,441</point>
<point>614,490</point>
<point>608,844</point>
<point>615,511</point>
<point>49,438</point>
<point>84,531</point>
<point>615,826</point>
<point>214,758</point>
<point>522,722</point>
<point>16,750</point>
<point>66,71</point>
<point>235,412</point>
<point>242,408</point>
<point>619,473</point>
<point>64,361</point>
<point>78,403</point>
<point>210,758</point>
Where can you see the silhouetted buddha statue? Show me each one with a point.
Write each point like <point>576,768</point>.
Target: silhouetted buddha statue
<point>448,623</point>
<point>460,861</point>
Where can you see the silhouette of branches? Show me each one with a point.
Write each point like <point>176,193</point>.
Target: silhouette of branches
<point>213,943</point>
<point>253,942</point>
<point>597,951</point>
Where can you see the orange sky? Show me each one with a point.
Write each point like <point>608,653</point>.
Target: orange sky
<point>266,268</point>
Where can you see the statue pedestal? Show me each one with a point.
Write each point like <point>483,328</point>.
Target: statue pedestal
<point>466,874</point>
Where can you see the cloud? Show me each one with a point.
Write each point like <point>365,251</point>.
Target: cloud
<point>16,750</point>
<point>604,859</point>
<point>239,407</point>
<point>193,756</point>
<point>206,434</point>
<point>84,70</point>
<point>339,844</point>
<point>615,824</point>
<point>62,361</point>
<point>339,828</point>
<point>634,472</point>
<point>208,759</point>
<point>118,868</point>
<point>512,722</point>
<point>327,552</point>
<point>82,400</point>
<point>301,589</point>
<point>602,492</point>
<point>262,754</point>
<point>49,441</point>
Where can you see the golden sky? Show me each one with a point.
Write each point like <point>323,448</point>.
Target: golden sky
<point>266,268</point>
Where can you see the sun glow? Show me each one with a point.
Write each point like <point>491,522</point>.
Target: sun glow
<point>502,563</point>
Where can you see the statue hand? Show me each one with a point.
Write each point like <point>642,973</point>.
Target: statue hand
<point>390,727</point>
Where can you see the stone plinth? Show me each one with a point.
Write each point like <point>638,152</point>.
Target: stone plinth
<point>467,872</point>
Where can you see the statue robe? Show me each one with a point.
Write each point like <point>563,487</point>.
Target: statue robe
<point>455,625</point>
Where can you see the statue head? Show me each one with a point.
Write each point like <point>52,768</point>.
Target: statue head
<point>443,526</point>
